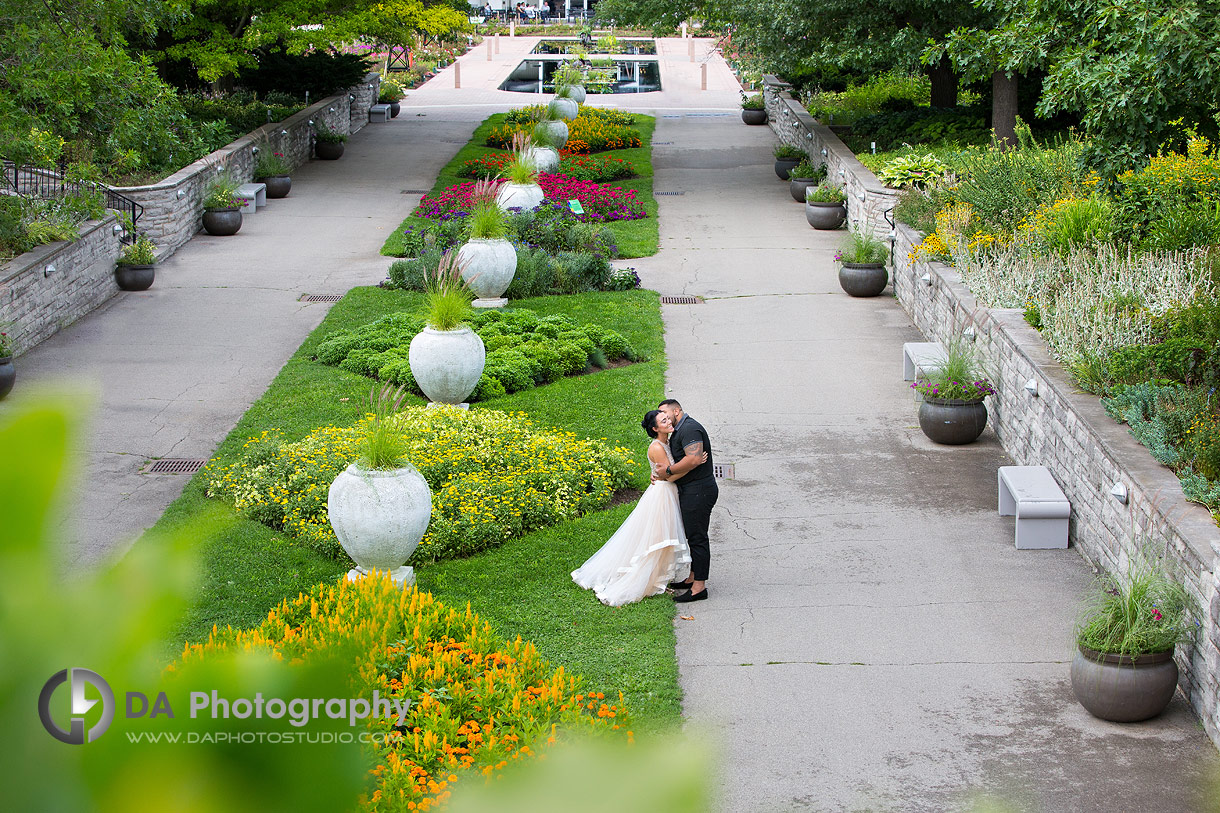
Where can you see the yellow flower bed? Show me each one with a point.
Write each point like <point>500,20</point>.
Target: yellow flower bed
<point>477,703</point>
<point>493,475</point>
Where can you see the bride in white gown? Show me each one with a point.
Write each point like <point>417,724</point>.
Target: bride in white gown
<point>648,551</point>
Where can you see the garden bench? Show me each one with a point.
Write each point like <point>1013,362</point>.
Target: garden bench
<point>1031,494</point>
<point>379,112</point>
<point>918,357</point>
<point>253,195</point>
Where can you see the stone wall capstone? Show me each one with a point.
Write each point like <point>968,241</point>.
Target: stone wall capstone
<point>1060,427</point>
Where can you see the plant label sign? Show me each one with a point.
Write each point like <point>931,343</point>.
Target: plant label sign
<point>575,206</point>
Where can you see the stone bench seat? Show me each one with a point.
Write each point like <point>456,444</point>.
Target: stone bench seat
<point>919,357</point>
<point>1031,494</point>
<point>379,112</point>
<point>253,196</point>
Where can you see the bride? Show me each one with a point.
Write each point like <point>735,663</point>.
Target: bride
<point>648,551</point>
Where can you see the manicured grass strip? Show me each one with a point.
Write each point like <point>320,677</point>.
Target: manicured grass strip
<point>635,238</point>
<point>523,587</point>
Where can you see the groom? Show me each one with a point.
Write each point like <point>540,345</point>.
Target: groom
<point>697,493</point>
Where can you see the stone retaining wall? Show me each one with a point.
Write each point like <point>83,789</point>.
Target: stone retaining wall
<point>1059,427</point>
<point>35,304</point>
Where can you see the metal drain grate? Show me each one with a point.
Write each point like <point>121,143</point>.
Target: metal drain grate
<point>662,143</point>
<point>723,471</point>
<point>668,194</point>
<point>681,300</point>
<point>175,465</point>
<point>319,297</point>
<point>414,192</point>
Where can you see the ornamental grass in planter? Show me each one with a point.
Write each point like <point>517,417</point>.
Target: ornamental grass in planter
<point>447,357</point>
<point>786,158</point>
<point>272,169</point>
<point>1124,669</point>
<point>825,206</point>
<point>951,408</point>
<point>135,268</point>
<point>222,206</point>
<point>522,190</point>
<point>862,261</point>
<point>328,145</point>
<point>488,260</point>
<point>753,109</point>
<point>802,176</point>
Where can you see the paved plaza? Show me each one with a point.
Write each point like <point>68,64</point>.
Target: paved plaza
<point>873,640</point>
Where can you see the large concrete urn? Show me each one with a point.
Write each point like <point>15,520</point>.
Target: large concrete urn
<point>525,196</point>
<point>447,364</point>
<point>488,267</point>
<point>577,93</point>
<point>379,518</point>
<point>566,109</point>
<point>556,132</point>
<point>544,159</point>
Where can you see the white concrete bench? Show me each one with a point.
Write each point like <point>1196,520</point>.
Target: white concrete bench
<point>379,112</point>
<point>918,357</point>
<point>253,195</point>
<point>1031,494</point>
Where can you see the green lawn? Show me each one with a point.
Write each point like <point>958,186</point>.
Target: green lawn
<point>523,587</point>
<point>636,238</point>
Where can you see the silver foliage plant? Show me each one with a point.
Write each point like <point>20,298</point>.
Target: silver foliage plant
<point>1090,301</point>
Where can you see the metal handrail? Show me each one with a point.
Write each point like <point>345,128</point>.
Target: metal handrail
<point>51,184</point>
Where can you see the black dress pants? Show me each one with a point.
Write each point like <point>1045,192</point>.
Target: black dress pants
<point>696,501</point>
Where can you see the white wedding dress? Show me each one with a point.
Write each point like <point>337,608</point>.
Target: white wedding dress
<point>646,553</point>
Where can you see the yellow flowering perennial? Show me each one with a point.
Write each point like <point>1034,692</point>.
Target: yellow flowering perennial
<point>493,475</point>
<point>477,703</point>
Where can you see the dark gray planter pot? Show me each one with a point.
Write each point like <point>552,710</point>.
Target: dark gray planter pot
<point>783,166</point>
<point>826,216</point>
<point>222,222</point>
<point>278,186</point>
<point>754,116</point>
<point>1124,689</point>
<point>952,422</point>
<point>328,150</point>
<point>8,375</point>
<point>135,277</point>
<point>797,187</point>
<point>395,109</point>
<point>860,279</point>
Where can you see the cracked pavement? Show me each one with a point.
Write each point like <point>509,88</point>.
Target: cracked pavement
<point>872,640</point>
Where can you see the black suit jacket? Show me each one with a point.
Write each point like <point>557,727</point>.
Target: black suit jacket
<point>691,431</point>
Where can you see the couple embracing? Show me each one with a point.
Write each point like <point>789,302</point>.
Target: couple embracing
<point>663,543</point>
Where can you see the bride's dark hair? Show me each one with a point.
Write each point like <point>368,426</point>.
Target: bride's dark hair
<point>650,422</point>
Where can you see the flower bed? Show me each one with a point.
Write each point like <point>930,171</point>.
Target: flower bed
<point>591,131</point>
<point>601,203</point>
<point>477,703</point>
<point>494,476</point>
<point>584,168</point>
<point>523,351</point>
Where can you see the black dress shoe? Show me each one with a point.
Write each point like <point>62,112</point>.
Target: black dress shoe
<point>680,585</point>
<point>682,598</point>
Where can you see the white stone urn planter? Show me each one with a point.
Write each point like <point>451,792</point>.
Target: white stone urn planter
<point>447,364</point>
<point>566,109</point>
<point>379,518</point>
<point>544,159</point>
<point>488,266</point>
<point>556,132</point>
<point>525,196</point>
<point>577,93</point>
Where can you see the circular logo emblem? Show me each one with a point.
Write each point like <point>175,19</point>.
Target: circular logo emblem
<point>78,679</point>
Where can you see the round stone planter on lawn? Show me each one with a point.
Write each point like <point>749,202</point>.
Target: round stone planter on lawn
<point>8,375</point>
<point>556,132</point>
<point>134,277</point>
<point>544,159</point>
<point>328,150</point>
<point>863,279</point>
<point>222,222</point>
<point>754,116</point>
<point>524,196</point>
<point>1124,689</point>
<point>566,109</point>
<point>797,187</point>
<point>952,422</point>
<point>825,216</point>
<point>784,166</point>
<point>278,186</point>
<point>379,518</point>
<point>447,364</point>
<point>577,93</point>
<point>488,266</point>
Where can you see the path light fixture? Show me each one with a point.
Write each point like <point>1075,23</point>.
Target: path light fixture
<point>1119,492</point>
<point>926,279</point>
<point>285,132</point>
<point>970,334</point>
<point>181,194</point>
<point>117,229</point>
<point>49,270</point>
<point>1031,387</point>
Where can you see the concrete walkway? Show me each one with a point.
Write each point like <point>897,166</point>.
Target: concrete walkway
<point>872,642</point>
